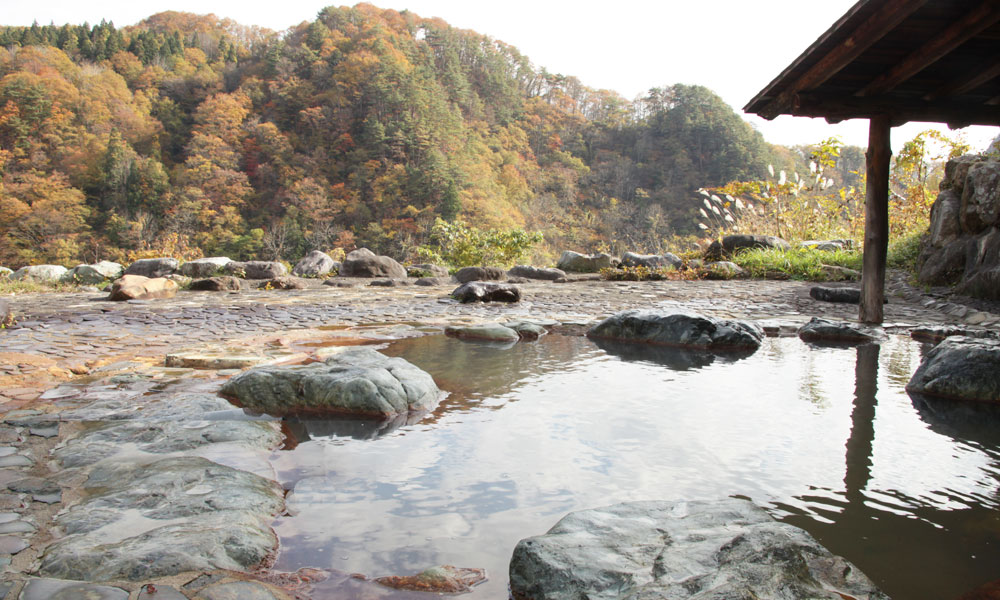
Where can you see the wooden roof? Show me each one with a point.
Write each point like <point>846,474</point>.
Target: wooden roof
<point>913,60</point>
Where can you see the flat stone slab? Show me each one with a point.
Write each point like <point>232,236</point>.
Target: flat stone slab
<point>358,382</point>
<point>727,549</point>
<point>227,360</point>
<point>57,589</point>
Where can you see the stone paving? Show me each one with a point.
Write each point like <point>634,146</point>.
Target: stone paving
<point>62,341</point>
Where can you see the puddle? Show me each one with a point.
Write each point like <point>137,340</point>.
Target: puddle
<point>824,438</point>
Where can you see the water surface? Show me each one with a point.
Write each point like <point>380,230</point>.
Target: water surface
<point>824,438</point>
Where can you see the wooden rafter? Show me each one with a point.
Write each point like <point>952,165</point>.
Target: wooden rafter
<point>887,17</point>
<point>971,24</point>
<point>953,113</point>
<point>969,82</point>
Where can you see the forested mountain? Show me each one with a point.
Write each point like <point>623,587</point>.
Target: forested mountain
<point>189,135</point>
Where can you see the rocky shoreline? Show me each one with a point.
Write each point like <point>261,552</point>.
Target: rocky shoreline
<point>82,377</point>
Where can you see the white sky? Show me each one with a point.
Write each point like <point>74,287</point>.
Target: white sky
<point>733,47</point>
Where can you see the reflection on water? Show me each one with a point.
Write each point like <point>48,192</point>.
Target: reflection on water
<point>826,438</point>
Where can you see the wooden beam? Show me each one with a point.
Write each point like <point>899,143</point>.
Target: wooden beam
<point>890,14</point>
<point>974,22</point>
<point>981,76</point>
<point>903,110</point>
<point>876,220</point>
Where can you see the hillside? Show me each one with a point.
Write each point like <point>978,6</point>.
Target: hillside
<point>192,135</point>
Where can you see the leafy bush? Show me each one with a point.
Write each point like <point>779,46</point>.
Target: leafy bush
<point>795,263</point>
<point>903,251</point>
<point>460,245</point>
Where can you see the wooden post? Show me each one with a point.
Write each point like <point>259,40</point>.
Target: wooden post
<point>876,220</point>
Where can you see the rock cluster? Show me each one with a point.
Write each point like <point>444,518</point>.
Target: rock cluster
<point>964,242</point>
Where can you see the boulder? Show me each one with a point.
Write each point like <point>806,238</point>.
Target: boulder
<point>390,282</point>
<point>95,273</point>
<point>363,263</point>
<point>137,287</point>
<point>731,244</point>
<point>433,281</point>
<point>981,196</point>
<point>819,330</point>
<point>444,579</point>
<point>205,267</point>
<point>256,269</point>
<point>426,270</point>
<point>467,274</point>
<point>283,283</point>
<point>727,549</point>
<point>526,329</point>
<point>50,274</point>
<point>486,291</point>
<point>943,266</point>
<point>837,273</point>
<point>652,261</point>
<point>5,272</point>
<point>357,382</point>
<point>960,368</point>
<point>827,245</point>
<point>153,267</point>
<point>190,515</point>
<point>529,272</point>
<point>315,264</point>
<point>226,283</point>
<point>835,294</point>
<point>682,330</point>
<point>582,263</point>
<point>945,226</point>
<point>491,332</point>
<point>723,270</point>
<point>982,284</point>
<point>6,314</point>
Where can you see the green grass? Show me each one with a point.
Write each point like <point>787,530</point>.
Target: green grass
<point>796,263</point>
<point>8,287</point>
<point>903,252</point>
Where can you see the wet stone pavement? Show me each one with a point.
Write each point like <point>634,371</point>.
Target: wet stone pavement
<point>183,507</point>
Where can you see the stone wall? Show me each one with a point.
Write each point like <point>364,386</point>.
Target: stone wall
<point>963,246</point>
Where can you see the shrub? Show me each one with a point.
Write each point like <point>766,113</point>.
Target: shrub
<point>795,263</point>
<point>460,245</point>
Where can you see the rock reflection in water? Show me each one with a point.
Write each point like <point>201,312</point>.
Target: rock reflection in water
<point>301,430</point>
<point>679,359</point>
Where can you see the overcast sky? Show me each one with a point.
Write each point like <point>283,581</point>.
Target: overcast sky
<point>734,47</point>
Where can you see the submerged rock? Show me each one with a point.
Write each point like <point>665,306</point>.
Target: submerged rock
<point>358,381</point>
<point>960,368</point>
<point>527,330</point>
<point>583,263</point>
<point>486,291</point>
<point>467,274</point>
<point>444,579</point>
<point>727,549</point>
<point>529,272</point>
<point>492,332</point>
<point>58,589</point>
<point>819,330</point>
<point>364,263</point>
<point>683,330</point>
<point>137,287</point>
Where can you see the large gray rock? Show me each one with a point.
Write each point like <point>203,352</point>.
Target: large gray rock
<point>943,266</point>
<point>50,274</point>
<point>960,368</point>
<point>731,244</point>
<point>95,273</point>
<point>226,283</point>
<point>682,330</point>
<point>205,267</point>
<point>491,332</point>
<point>652,261</point>
<point>364,263</point>
<point>467,274</point>
<point>724,550</point>
<point>529,272</point>
<point>357,382</point>
<point>315,264</point>
<point>486,291</point>
<point>189,514</point>
<point>845,295</point>
<point>582,263</point>
<point>981,196</point>
<point>257,269</point>
<point>153,267</point>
